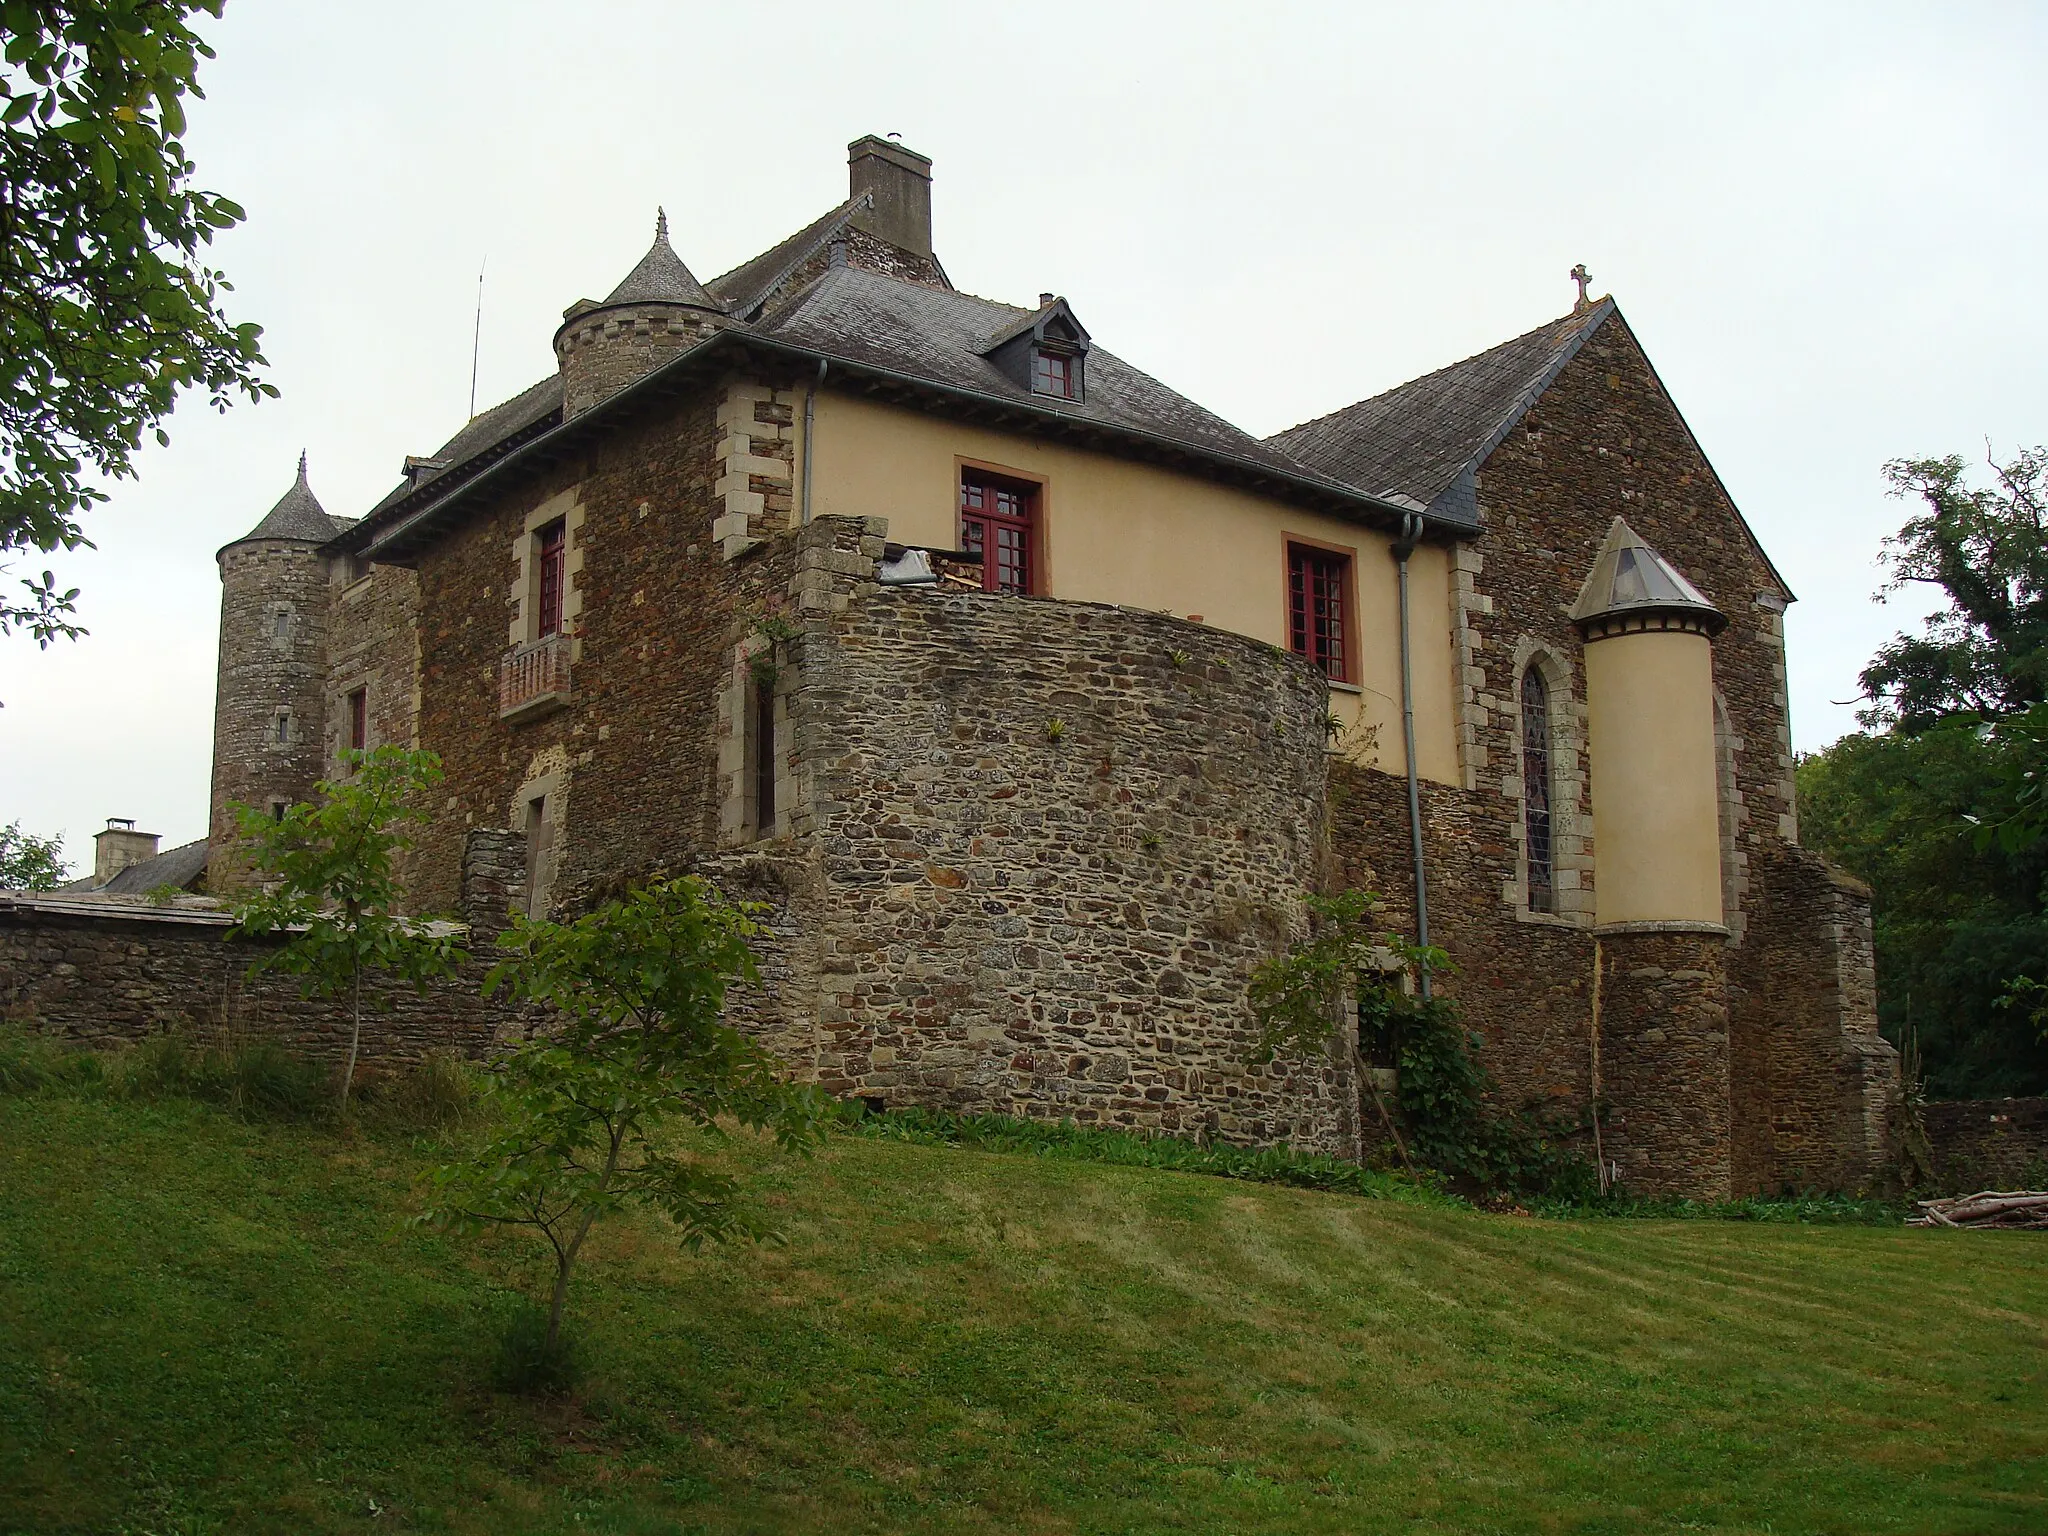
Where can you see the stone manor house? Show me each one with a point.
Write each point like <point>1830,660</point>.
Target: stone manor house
<point>1033,698</point>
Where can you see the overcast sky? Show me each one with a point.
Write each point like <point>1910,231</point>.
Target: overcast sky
<point>1824,221</point>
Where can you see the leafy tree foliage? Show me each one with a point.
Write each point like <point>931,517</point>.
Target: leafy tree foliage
<point>107,310</point>
<point>638,989</point>
<point>331,888</point>
<point>1957,914</point>
<point>28,862</point>
<point>1984,655</point>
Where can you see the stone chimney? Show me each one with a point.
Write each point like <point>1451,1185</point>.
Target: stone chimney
<point>119,846</point>
<point>899,183</point>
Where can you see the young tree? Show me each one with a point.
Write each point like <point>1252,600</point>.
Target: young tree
<point>107,313</point>
<point>638,987</point>
<point>331,891</point>
<point>28,862</point>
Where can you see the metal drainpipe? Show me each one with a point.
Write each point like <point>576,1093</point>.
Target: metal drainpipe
<point>1411,533</point>
<point>810,430</point>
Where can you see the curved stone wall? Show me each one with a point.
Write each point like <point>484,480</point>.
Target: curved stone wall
<point>1051,841</point>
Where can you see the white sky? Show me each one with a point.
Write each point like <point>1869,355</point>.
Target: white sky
<point>1825,222</point>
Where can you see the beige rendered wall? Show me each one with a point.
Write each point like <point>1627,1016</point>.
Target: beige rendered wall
<point>1116,531</point>
<point>1656,827</point>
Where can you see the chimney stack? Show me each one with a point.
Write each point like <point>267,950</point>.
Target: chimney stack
<point>119,846</point>
<point>898,182</point>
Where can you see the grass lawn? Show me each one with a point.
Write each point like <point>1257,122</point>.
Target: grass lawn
<point>211,1325</point>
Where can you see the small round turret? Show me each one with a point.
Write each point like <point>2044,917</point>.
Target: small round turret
<point>1650,706</point>
<point>268,713</point>
<point>659,310</point>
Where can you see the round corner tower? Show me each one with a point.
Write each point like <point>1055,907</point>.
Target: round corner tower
<point>268,711</point>
<point>659,310</point>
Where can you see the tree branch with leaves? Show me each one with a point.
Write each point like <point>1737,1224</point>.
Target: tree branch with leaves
<point>637,993</point>
<point>108,311</point>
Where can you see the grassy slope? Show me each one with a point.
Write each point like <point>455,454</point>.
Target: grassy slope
<point>207,1325</point>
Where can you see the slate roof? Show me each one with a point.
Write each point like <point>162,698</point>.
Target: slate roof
<point>939,336</point>
<point>297,515</point>
<point>533,408</point>
<point>743,289</point>
<point>1423,440</point>
<point>1630,577</point>
<point>180,866</point>
<point>661,277</point>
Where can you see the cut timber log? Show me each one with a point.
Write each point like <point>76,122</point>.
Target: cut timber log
<point>2011,1209</point>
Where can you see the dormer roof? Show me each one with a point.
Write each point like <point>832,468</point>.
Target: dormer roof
<point>661,277</point>
<point>1053,321</point>
<point>1630,578</point>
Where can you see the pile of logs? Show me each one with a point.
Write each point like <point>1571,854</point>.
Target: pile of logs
<point>1989,1208</point>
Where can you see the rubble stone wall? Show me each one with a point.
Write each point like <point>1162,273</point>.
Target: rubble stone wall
<point>1052,840</point>
<point>1989,1143</point>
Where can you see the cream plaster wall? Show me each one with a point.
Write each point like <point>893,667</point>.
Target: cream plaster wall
<point>1656,800</point>
<point>1116,531</point>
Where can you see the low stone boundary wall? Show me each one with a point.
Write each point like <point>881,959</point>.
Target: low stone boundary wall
<point>105,973</point>
<point>1986,1142</point>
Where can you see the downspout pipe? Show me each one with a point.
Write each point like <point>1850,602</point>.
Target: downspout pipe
<point>810,434</point>
<point>1404,546</point>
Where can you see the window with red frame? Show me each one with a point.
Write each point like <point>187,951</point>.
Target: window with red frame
<point>551,544</point>
<point>995,522</point>
<point>1316,603</point>
<point>1052,373</point>
<point>359,720</point>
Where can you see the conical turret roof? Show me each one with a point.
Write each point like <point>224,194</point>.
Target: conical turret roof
<point>661,277</point>
<point>1630,577</point>
<point>297,515</point>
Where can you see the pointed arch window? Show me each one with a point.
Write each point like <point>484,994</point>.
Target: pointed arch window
<point>1537,841</point>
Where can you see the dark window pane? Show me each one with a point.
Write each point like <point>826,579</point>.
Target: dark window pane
<point>1536,791</point>
<point>553,542</point>
<point>1315,608</point>
<point>995,523</point>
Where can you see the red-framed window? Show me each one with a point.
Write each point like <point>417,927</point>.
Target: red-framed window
<point>551,545</point>
<point>359,720</point>
<point>1052,373</point>
<point>996,518</point>
<point>1318,617</point>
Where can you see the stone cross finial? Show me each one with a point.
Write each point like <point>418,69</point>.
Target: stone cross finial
<point>302,463</point>
<point>660,222</point>
<point>1584,279</point>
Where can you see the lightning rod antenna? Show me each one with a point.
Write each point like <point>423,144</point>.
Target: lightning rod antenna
<point>477,337</point>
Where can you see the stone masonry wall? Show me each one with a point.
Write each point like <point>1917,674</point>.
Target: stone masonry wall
<point>269,704</point>
<point>373,644</point>
<point>1988,1143</point>
<point>1829,1079</point>
<point>1663,1040</point>
<point>1053,839</point>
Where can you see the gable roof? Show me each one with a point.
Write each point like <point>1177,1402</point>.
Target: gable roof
<point>487,435</point>
<point>1424,440</point>
<point>297,515</point>
<point>748,284</point>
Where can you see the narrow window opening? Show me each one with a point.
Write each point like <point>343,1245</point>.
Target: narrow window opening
<point>996,522</point>
<point>359,720</point>
<point>764,759</point>
<point>281,728</point>
<point>281,624</point>
<point>1536,826</point>
<point>540,855</point>
<point>277,809</point>
<point>1318,625</point>
<point>550,546</point>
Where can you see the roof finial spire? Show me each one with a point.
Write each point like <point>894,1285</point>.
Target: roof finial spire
<point>1584,279</point>
<point>302,466</point>
<point>660,222</point>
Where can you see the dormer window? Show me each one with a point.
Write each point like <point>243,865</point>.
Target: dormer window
<point>1045,351</point>
<point>1052,373</point>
